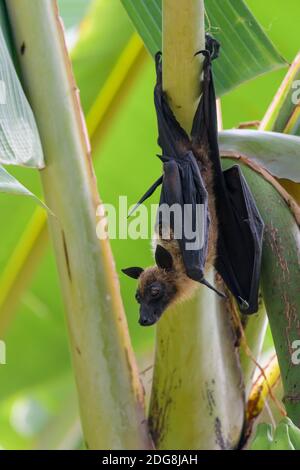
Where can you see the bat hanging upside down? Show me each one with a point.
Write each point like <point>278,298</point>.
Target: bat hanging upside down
<point>231,227</point>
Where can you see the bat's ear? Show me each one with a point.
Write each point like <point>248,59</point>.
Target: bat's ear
<point>163,258</point>
<point>134,272</point>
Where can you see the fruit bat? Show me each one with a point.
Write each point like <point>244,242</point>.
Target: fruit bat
<point>230,225</point>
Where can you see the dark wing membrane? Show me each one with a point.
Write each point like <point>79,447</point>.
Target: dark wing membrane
<point>196,220</point>
<point>184,192</point>
<point>175,143</point>
<point>147,194</point>
<point>240,225</point>
<point>170,214</point>
<point>240,243</point>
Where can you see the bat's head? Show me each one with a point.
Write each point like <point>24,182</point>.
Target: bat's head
<point>156,288</point>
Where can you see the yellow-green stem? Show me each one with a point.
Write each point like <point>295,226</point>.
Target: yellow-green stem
<point>277,119</point>
<point>183,36</point>
<point>197,398</point>
<point>110,394</point>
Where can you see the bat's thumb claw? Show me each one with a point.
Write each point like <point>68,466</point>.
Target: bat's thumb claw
<point>243,304</point>
<point>207,284</point>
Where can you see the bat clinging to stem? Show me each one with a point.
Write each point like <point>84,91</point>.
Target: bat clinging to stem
<point>227,233</point>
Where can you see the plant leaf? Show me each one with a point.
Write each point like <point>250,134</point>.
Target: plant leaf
<point>283,114</point>
<point>280,278</point>
<point>19,139</point>
<point>9,184</point>
<point>73,12</point>
<point>277,153</point>
<point>233,25</point>
<point>99,48</point>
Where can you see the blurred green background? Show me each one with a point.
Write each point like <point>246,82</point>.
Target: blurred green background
<point>37,394</point>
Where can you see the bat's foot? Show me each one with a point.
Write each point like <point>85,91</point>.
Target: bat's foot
<point>243,304</point>
<point>212,46</point>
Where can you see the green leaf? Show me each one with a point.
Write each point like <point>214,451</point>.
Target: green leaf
<point>246,50</point>
<point>280,279</point>
<point>9,184</point>
<point>277,153</point>
<point>73,12</point>
<point>19,139</point>
<point>263,437</point>
<point>43,415</point>
<point>99,48</point>
<point>283,114</point>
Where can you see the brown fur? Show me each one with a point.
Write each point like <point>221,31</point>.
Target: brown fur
<point>185,287</point>
<point>202,156</point>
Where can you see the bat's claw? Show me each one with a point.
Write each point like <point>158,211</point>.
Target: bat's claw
<point>243,304</point>
<point>212,47</point>
<point>207,284</point>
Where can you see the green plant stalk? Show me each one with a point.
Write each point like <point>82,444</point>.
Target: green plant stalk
<point>255,330</point>
<point>110,394</point>
<point>280,280</point>
<point>282,116</point>
<point>233,24</point>
<point>197,397</point>
<point>183,36</point>
<point>281,112</point>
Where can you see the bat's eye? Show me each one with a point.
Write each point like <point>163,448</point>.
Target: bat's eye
<point>138,298</point>
<point>155,291</point>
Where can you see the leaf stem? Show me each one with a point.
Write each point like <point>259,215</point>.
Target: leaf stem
<point>110,393</point>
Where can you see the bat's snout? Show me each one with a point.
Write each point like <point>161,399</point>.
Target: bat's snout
<point>146,321</point>
<point>147,316</point>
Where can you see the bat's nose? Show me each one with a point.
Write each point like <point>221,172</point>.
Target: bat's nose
<point>147,316</point>
<point>144,321</point>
